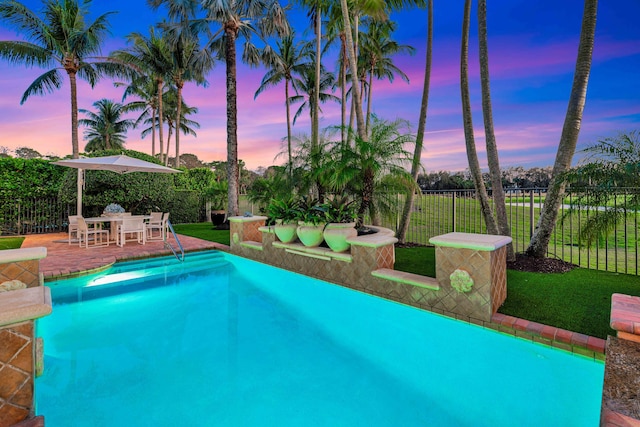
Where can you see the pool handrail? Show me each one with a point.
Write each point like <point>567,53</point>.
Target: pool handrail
<point>168,245</point>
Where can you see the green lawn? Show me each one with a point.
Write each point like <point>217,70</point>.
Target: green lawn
<point>10,242</point>
<point>203,231</point>
<point>579,300</point>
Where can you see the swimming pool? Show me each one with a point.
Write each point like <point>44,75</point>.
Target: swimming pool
<point>225,341</point>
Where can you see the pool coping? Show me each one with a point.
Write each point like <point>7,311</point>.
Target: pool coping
<point>533,331</point>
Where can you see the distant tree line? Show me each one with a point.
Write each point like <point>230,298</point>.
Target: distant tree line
<point>513,177</point>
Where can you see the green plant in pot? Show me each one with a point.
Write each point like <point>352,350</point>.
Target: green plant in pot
<point>217,195</point>
<point>341,216</point>
<point>284,213</point>
<point>311,222</point>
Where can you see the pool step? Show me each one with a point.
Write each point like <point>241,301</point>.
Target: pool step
<point>134,280</point>
<point>164,261</point>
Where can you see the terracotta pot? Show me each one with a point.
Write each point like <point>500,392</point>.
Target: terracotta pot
<point>286,233</point>
<point>336,235</point>
<point>309,234</point>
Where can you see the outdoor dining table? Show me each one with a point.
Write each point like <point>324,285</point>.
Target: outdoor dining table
<point>114,220</point>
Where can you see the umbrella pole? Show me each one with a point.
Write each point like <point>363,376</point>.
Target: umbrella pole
<point>80,185</point>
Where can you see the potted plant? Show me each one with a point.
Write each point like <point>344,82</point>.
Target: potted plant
<point>284,213</point>
<point>217,195</point>
<point>311,221</point>
<point>341,217</point>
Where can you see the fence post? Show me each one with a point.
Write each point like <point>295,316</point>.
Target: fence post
<point>453,211</point>
<point>531,223</point>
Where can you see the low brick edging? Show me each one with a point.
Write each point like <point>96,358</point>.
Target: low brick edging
<point>550,335</point>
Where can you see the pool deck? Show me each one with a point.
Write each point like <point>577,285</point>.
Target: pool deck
<point>64,260</point>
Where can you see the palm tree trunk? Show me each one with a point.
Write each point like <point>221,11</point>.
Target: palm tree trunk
<point>472,156</point>
<point>75,146</point>
<point>153,132</point>
<point>160,119</point>
<point>315,124</point>
<point>354,70</point>
<point>343,88</point>
<point>233,175</point>
<point>422,121</point>
<point>107,142</point>
<point>169,133</point>
<point>286,98</point>
<point>179,86</point>
<point>490,138</point>
<point>570,131</point>
<point>367,195</point>
<point>369,100</point>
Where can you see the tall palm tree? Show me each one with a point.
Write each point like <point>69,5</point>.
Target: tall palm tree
<point>152,58</point>
<point>106,129</point>
<point>472,155</point>
<point>240,18</point>
<point>306,85</point>
<point>190,63</point>
<point>61,39</point>
<point>289,59</point>
<point>422,121</point>
<point>185,125</point>
<point>146,92</point>
<point>490,137</point>
<point>376,50</point>
<point>570,131</point>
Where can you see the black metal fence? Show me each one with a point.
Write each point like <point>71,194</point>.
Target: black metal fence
<point>444,211</point>
<point>32,216</point>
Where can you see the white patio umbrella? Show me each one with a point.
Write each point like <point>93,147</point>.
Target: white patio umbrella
<point>118,164</point>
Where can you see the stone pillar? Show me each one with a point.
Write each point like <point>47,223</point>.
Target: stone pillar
<point>471,270</point>
<point>245,228</point>
<point>22,265</point>
<point>18,311</point>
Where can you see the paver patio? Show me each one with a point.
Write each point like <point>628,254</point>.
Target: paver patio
<point>69,260</point>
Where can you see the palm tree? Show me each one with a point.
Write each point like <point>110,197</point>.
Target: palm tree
<point>61,39</point>
<point>472,156</point>
<point>422,121</point>
<point>146,92</point>
<point>240,18</point>
<point>570,131</point>
<point>190,63</point>
<point>306,85</point>
<point>106,129</point>
<point>376,49</point>
<point>490,137</point>
<point>152,58</point>
<point>360,168</point>
<point>611,163</point>
<point>289,58</point>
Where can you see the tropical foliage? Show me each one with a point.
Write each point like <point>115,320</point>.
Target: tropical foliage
<point>610,164</point>
<point>106,128</point>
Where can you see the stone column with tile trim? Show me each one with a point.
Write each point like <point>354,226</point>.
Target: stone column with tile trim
<point>472,274</point>
<point>23,265</point>
<point>245,229</point>
<point>19,307</point>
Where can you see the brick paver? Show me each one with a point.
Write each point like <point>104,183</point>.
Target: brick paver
<point>70,260</point>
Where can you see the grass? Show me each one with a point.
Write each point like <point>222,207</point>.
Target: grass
<point>203,231</point>
<point>578,301</point>
<point>10,242</point>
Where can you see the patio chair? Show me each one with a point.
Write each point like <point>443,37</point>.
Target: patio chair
<point>131,226</point>
<point>157,224</point>
<point>73,226</point>
<point>96,232</point>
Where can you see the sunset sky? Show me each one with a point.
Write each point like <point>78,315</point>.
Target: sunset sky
<point>532,52</point>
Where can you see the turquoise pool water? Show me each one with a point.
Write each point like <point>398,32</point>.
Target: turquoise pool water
<point>224,341</point>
